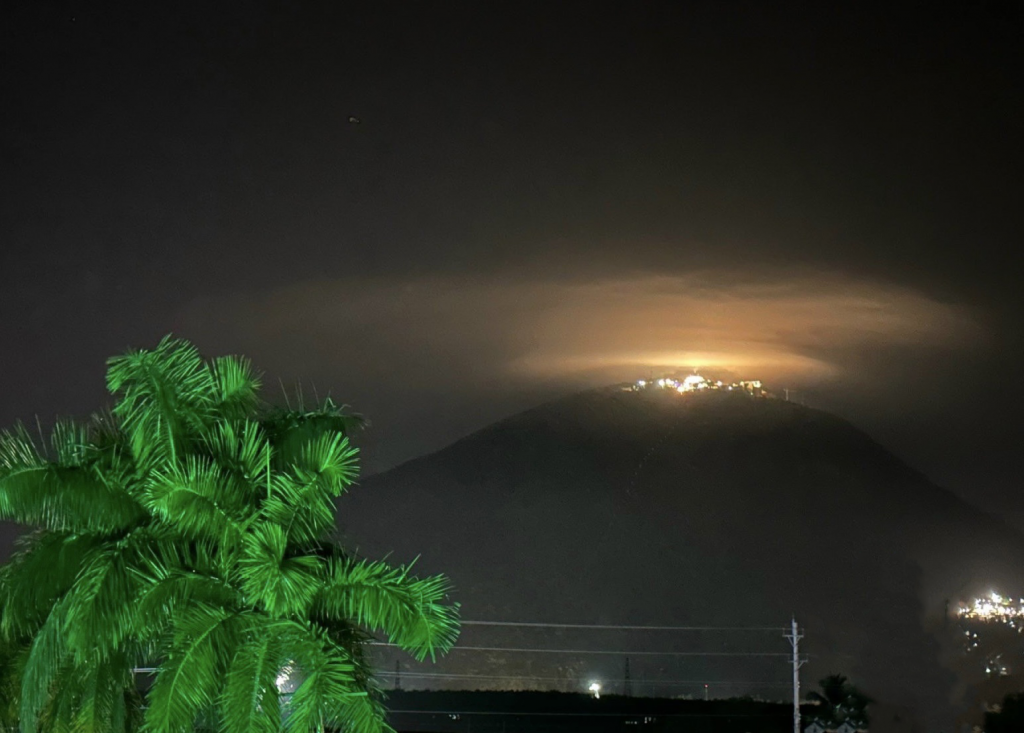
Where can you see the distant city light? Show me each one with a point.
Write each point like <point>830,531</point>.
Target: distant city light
<point>595,689</point>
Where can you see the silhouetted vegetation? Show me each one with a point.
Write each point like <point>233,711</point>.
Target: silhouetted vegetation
<point>1009,718</point>
<point>838,702</point>
<point>534,712</point>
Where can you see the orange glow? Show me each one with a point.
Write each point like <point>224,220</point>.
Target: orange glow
<point>611,329</point>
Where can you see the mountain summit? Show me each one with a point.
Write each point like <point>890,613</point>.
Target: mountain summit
<point>619,506</point>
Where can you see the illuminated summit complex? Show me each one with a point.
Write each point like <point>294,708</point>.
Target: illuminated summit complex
<point>995,609</point>
<point>697,383</point>
<point>992,628</point>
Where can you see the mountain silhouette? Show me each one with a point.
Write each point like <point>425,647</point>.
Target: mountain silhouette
<point>645,508</point>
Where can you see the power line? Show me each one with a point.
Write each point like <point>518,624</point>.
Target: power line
<point>600,651</point>
<point>522,713</point>
<point>446,675</point>
<point>623,627</point>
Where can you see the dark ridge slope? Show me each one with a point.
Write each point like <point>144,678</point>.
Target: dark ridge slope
<point>648,508</point>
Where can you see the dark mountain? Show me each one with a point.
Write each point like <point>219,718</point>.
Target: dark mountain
<point>616,507</point>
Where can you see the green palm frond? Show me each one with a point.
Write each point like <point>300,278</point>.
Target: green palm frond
<point>47,657</point>
<point>13,656</point>
<point>302,499</point>
<point>175,575</point>
<point>360,714</point>
<point>39,492</point>
<point>101,605</point>
<point>157,606</point>
<point>188,681</point>
<point>250,702</point>
<point>70,443</point>
<point>241,447</point>
<point>282,585</point>
<point>117,722</point>
<point>40,572</point>
<point>164,395</point>
<point>328,678</point>
<point>101,691</point>
<point>236,387</point>
<point>412,612</point>
<point>290,430</point>
<point>198,499</point>
<point>302,506</point>
<point>58,711</point>
<point>331,458</point>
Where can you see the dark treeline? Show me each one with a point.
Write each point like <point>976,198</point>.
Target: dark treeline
<point>538,712</point>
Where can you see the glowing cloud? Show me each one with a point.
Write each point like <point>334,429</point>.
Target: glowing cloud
<point>477,329</point>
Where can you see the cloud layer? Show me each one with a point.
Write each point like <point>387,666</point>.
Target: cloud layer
<point>432,330</point>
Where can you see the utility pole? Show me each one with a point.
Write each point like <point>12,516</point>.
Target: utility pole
<point>398,676</point>
<point>627,682</point>
<point>794,637</point>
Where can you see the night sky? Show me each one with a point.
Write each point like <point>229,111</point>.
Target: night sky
<point>443,213</point>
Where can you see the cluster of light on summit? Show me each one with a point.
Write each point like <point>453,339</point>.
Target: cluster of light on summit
<point>697,383</point>
<point>986,622</point>
<point>995,608</point>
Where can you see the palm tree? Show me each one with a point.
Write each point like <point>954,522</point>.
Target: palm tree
<point>190,531</point>
<point>840,701</point>
<point>11,656</point>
